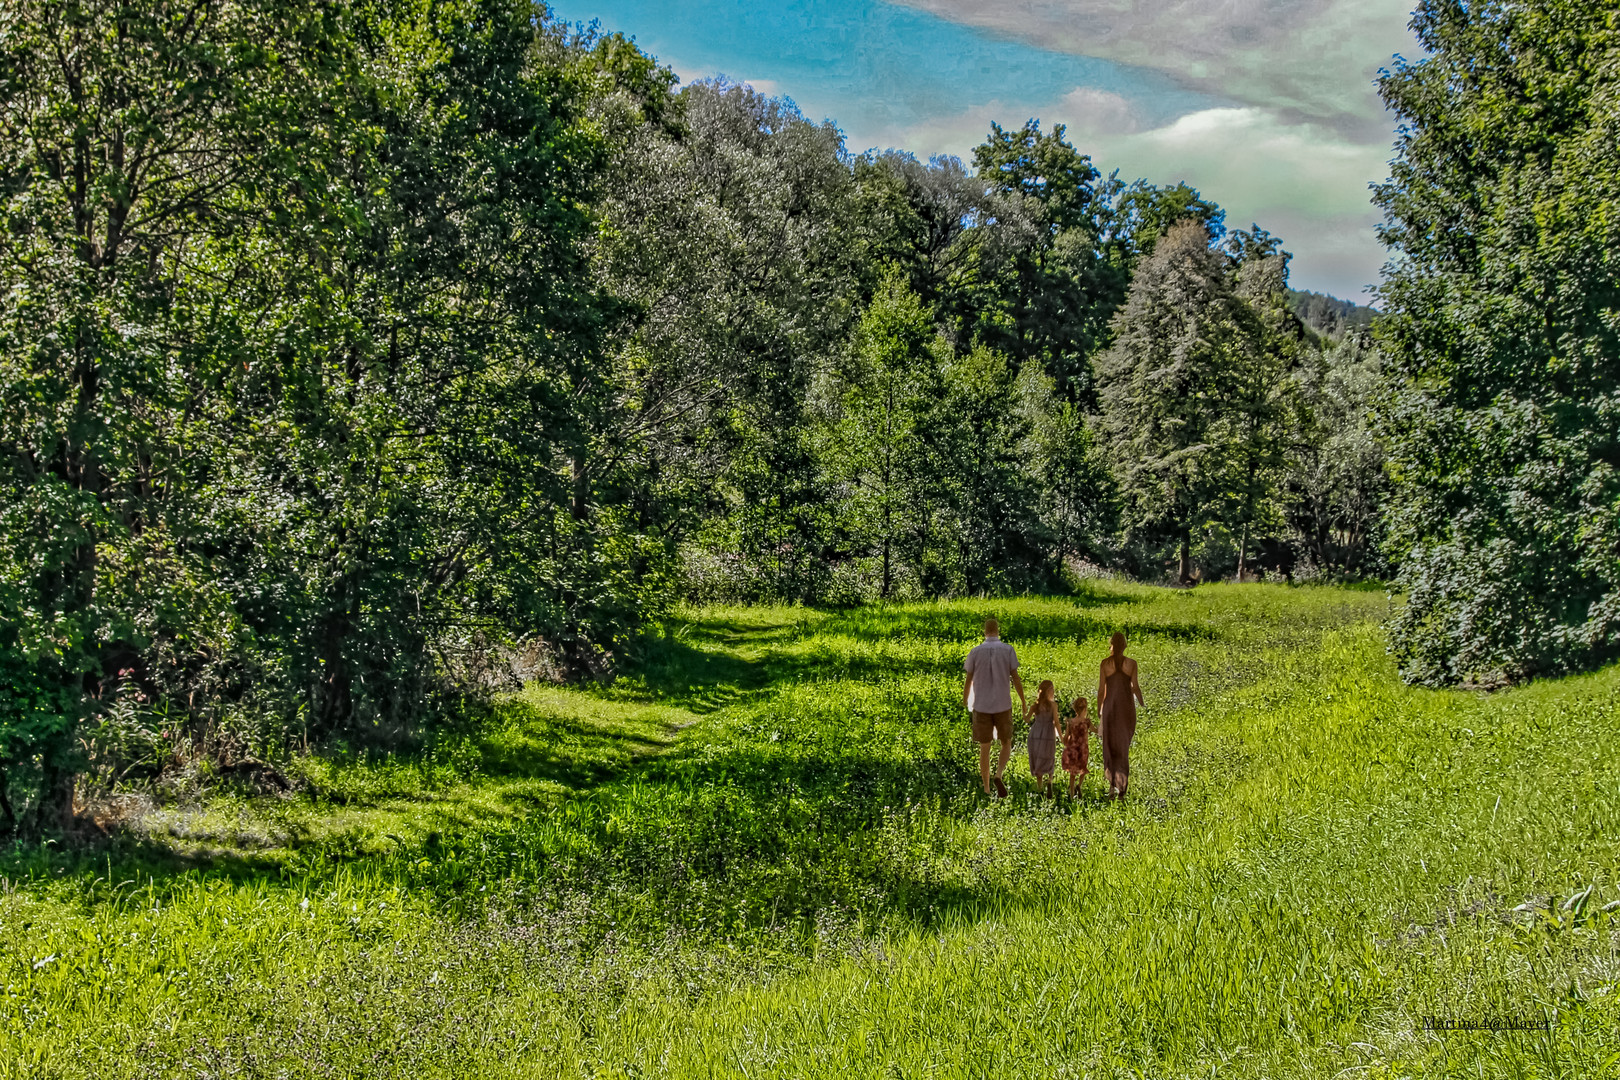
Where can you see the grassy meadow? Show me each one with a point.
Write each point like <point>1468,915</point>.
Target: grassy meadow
<point>764,853</point>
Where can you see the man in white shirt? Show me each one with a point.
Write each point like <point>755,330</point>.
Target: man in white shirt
<point>990,667</point>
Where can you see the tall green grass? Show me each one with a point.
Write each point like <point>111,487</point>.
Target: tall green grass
<point>764,854</point>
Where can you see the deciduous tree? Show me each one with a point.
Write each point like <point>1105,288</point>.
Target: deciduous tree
<point>1502,341</point>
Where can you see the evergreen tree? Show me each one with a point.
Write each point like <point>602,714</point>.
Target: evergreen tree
<point>886,398</point>
<point>986,498</point>
<point>1263,400</point>
<point>1182,391</point>
<point>1076,498</point>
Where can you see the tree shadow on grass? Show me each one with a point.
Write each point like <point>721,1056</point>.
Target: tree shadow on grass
<point>947,626</point>
<point>574,751</point>
<point>99,866</point>
<point>597,758</point>
<point>701,666</point>
<point>774,829</point>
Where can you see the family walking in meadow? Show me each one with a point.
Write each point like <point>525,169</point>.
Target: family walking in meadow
<point>992,676</point>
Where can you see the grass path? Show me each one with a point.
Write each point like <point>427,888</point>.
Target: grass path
<point>763,855</point>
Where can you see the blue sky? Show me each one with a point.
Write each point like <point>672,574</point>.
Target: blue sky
<point>1267,106</point>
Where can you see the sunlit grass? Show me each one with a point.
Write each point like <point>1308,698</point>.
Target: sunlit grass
<point>764,854</point>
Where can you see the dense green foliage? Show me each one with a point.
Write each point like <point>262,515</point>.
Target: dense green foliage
<point>763,853</point>
<point>1328,314</point>
<point>1500,334</point>
<point>1335,491</point>
<point>299,365</point>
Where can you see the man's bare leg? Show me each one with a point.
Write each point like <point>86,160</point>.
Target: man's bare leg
<point>984,766</point>
<point>1006,755</point>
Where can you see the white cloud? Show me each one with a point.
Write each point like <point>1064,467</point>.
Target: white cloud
<point>953,133</point>
<point>1090,111</point>
<point>1310,59</point>
<point>1251,156</point>
<point>1304,182</point>
<point>1296,152</point>
<point>768,87</point>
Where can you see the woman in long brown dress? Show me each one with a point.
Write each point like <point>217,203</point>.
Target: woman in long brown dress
<point>1118,693</point>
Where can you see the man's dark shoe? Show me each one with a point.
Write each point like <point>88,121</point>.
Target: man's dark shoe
<point>1001,789</point>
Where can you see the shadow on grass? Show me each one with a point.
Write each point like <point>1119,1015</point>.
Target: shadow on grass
<point>761,831</point>
<point>1016,627</point>
<point>573,751</point>
<point>702,666</point>
<point>726,822</point>
<point>95,867</point>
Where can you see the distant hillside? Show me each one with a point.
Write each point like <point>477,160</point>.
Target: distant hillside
<point>1328,314</point>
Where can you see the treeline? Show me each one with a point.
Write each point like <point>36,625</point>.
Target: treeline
<point>1328,314</point>
<point>875,377</point>
<point>345,349</point>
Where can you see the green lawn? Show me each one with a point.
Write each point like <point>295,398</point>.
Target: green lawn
<point>764,854</point>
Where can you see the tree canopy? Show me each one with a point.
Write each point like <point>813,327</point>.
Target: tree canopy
<point>1500,339</point>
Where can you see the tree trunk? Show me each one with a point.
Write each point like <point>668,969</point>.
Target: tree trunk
<point>54,811</point>
<point>886,576</point>
<point>8,817</point>
<point>334,691</point>
<point>1186,555</point>
<point>888,486</point>
<point>1063,536</point>
<point>582,486</point>
<point>1248,518</point>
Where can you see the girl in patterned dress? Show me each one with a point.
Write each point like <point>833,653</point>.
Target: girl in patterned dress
<point>1044,724</point>
<point>1077,745</point>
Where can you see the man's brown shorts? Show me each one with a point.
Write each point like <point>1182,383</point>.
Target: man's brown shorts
<point>1000,721</point>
